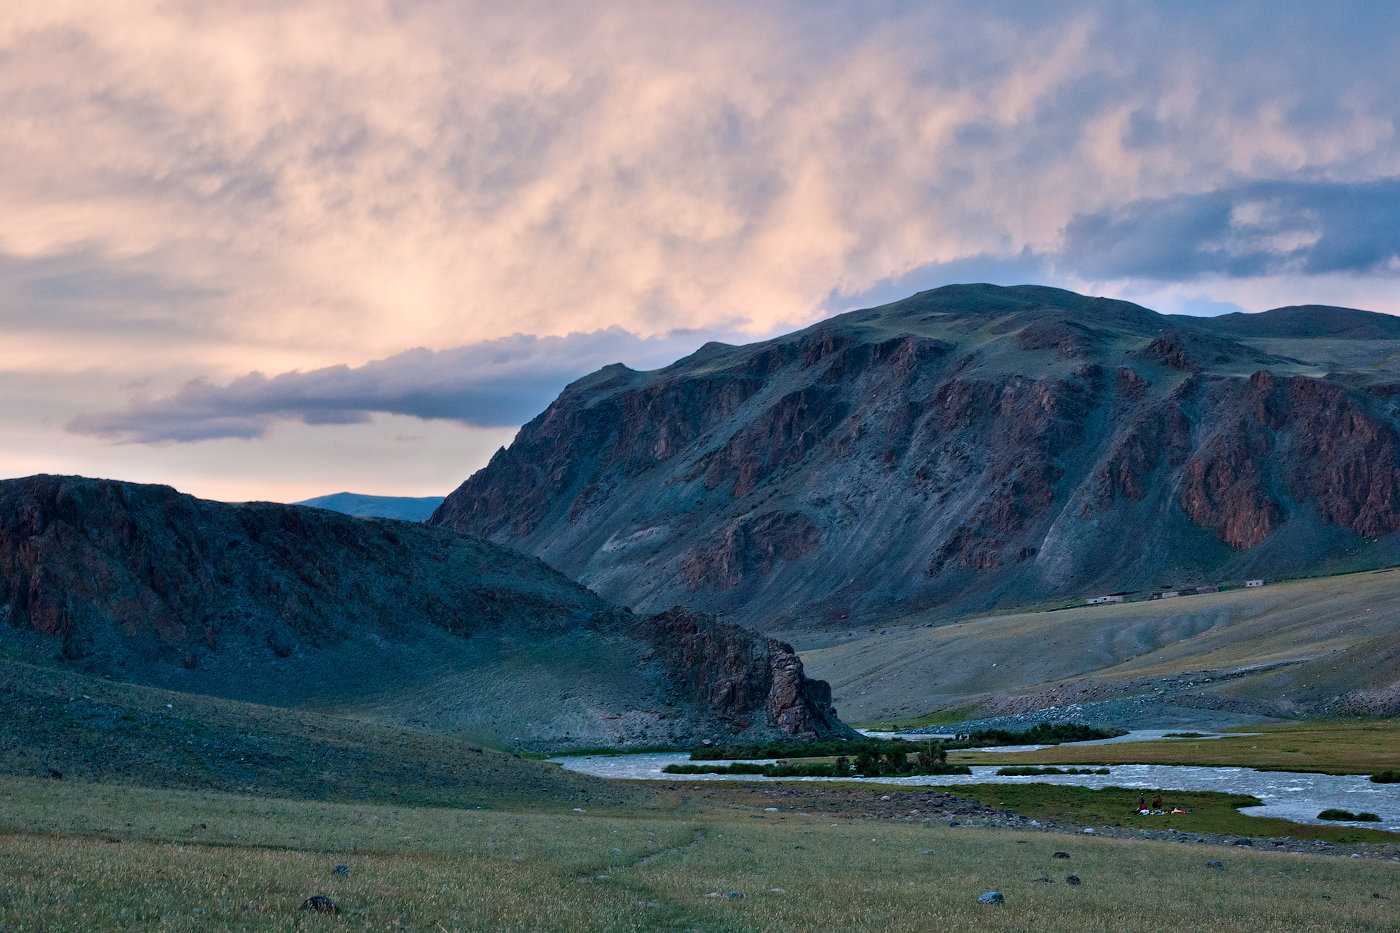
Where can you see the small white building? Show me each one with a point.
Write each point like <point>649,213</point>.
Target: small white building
<point>1253,583</point>
<point>1100,600</point>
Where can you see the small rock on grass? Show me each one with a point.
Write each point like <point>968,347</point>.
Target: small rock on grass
<point>1060,855</point>
<point>1073,881</point>
<point>991,897</point>
<point>320,904</point>
<point>1216,864</point>
<point>342,871</point>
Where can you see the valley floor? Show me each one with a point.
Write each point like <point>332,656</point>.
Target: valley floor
<point>1286,650</point>
<point>77,856</point>
<point>1347,747</point>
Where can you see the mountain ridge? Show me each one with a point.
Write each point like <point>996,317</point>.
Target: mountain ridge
<point>395,621</point>
<point>970,447</point>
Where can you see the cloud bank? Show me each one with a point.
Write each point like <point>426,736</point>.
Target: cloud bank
<point>198,190</point>
<point>495,384</point>
<point>1253,230</point>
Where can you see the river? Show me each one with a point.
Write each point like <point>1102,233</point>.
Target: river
<point>1286,794</point>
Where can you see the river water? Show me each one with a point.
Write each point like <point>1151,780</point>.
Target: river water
<point>1286,794</point>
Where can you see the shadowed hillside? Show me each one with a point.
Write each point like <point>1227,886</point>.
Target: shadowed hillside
<point>968,448</point>
<point>296,606</point>
<point>61,725</point>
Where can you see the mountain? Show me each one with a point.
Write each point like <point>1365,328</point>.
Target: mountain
<point>403,508</point>
<point>964,449</point>
<point>399,622</point>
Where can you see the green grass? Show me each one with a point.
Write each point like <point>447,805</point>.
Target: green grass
<point>1207,812</point>
<point>94,730</point>
<point>80,857</point>
<point>1322,747</point>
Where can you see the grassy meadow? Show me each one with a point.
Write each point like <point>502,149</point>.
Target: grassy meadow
<point>1356,747</point>
<point>1206,811</point>
<point>80,856</point>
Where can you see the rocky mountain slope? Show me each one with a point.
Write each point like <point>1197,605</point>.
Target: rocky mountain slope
<point>421,626</point>
<point>404,508</point>
<point>966,448</point>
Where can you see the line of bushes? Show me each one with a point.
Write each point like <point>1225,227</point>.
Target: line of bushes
<point>1386,777</point>
<point>867,764</point>
<point>1042,734</point>
<point>1031,771</point>
<point>1334,814</point>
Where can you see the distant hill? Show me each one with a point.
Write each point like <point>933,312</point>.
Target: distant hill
<point>965,449</point>
<point>403,508</point>
<point>403,623</point>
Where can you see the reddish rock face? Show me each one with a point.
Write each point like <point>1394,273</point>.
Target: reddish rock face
<point>1345,457</point>
<point>1224,488</point>
<point>968,447</point>
<point>754,544</point>
<point>745,679</point>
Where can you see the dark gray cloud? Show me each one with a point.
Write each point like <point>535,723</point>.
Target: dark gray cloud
<point>83,287</point>
<point>1257,229</point>
<point>497,383</point>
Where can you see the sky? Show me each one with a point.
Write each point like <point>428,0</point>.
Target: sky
<point>278,249</point>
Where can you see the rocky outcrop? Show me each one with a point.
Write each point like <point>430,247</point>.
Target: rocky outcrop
<point>743,679</point>
<point>967,448</point>
<point>290,605</point>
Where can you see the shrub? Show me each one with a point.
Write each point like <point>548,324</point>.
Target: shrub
<point>1041,734</point>
<point>1386,777</point>
<point>1333,813</point>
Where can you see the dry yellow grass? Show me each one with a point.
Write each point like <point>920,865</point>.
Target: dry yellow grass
<point>902,673</point>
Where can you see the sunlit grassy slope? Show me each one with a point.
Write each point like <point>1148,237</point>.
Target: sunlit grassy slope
<point>907,670</point>
<point>84,857</point>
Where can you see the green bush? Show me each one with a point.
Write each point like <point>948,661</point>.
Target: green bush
<point>1042,734</point>
<point>1335,814</point>
<point>1386,777</point>
<point>872,767</point>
